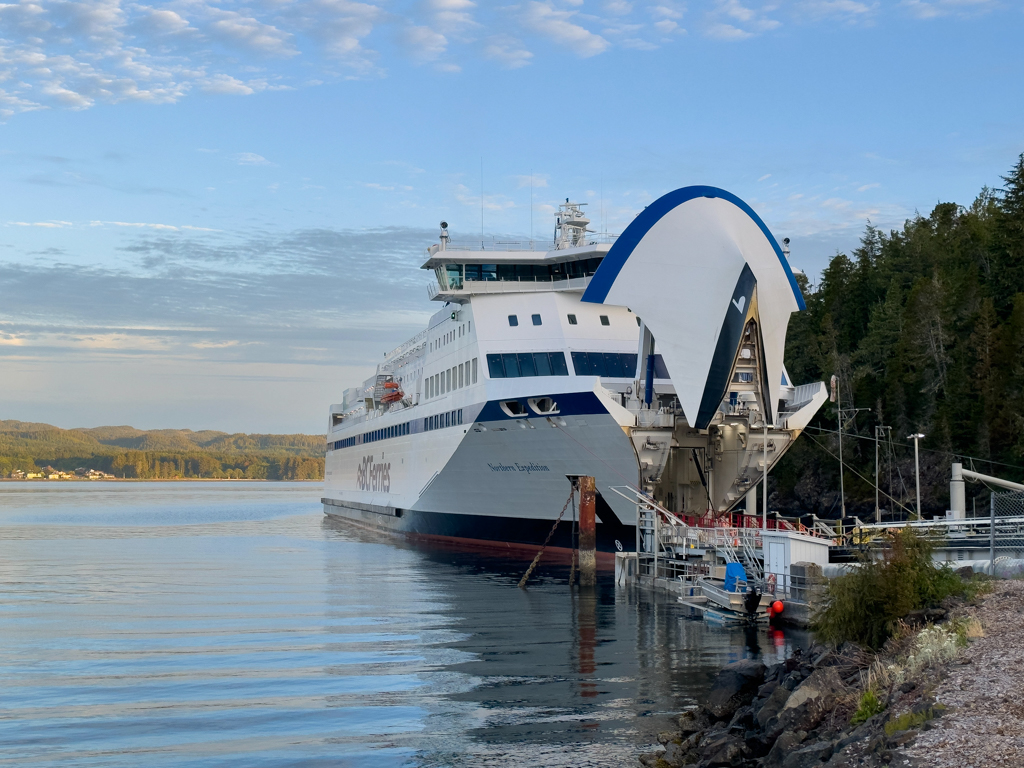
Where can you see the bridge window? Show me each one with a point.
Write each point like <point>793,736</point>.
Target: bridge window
<point>612,365</point>
<point>513,365</point>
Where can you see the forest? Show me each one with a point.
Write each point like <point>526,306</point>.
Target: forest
<point>924,329</point>
<point>126,452</point>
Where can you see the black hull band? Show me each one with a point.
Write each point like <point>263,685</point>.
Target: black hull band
<point>501,531</point>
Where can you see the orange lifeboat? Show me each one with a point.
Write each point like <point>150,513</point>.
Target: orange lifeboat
<point>393,392</point>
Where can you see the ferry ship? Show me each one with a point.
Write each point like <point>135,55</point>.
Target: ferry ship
<point>651,361</point>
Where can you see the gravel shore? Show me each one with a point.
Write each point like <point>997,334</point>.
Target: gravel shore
<point>984,692</point>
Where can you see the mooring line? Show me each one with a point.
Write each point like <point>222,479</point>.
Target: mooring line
<point>536,559</point>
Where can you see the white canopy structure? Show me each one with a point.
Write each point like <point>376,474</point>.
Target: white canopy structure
<point>697,265</point>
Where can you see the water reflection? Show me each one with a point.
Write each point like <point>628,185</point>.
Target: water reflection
<point>195,624</point>
<point>560,676</point>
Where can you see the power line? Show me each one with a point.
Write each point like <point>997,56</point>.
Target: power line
<point>926,450</point>
<point>858,474</point>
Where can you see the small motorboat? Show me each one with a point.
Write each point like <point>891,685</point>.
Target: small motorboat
<point>735,595</point>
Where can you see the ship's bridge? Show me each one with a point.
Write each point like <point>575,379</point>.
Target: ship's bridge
<point>463,272</point>
<point>508,266</point>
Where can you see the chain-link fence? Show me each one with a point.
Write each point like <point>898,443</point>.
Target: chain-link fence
<point>1006,512</point>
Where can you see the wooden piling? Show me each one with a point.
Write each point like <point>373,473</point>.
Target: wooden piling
<point>588,532</point>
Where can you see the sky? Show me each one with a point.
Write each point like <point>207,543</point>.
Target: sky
<point>212,216</point>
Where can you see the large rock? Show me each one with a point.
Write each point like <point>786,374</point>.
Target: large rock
<point>807,706</point>
<point>785,744</point>
<point>773,705</point>
<point>726,750</point>
<point>734,687</point>
<point>809,755</point>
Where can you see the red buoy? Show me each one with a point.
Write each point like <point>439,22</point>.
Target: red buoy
<point>777,606</point>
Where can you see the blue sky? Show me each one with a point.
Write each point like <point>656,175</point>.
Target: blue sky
<point>213,214</point>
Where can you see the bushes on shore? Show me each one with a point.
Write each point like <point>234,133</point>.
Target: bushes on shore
<point>867,605</point>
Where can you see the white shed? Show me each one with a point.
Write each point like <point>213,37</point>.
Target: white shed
<point>783,548</point>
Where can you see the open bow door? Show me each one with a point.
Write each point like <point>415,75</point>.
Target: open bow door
<point>698,266</point>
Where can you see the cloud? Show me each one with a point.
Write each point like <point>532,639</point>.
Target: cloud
<point>507,51</point>
<point>45,224</point>
<point>866,187</point>
<point>423,43</point>
<point>453,16</point>
<point>251,158</point>
<point>849,10</point>
<point>556,25</point>
<point>766,176</point>
<point>250,34</point>
<point>731,20</point>
<point>922,9</point>
<point>146,225</point>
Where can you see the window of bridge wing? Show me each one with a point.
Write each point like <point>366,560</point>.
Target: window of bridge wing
<point>524,273</point>
<point>506,271</point>
<point>472,272</point>
<point>488,272</point>
<point>454,276</point>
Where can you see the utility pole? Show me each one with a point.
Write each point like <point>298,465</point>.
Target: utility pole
<point>917,471</point>
<point>878,510</point>
<point>764,501</point>
<point>837,398</point>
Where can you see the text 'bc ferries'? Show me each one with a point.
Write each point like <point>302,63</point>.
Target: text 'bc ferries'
<point>653,363</point>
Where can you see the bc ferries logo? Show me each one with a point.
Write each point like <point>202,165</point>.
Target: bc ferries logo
<point>373,477</point>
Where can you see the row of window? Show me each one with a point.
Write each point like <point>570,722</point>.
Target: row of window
<point>609,365</point>
<point>456,377</point>
<point>452,335</point>
<point>513,365</point>
<point>456,273</point>
<point>442,420</point>
<point>372,436</point>
<point>513,320</point>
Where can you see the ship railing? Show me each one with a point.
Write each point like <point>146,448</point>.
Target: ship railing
<point>518,285</point>
<point>500,244</point>
<point>408,346</point>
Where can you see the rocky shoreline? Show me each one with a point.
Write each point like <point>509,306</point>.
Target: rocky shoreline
<point>845,707</point>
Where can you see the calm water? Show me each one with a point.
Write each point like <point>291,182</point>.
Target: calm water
<point>229,624</point>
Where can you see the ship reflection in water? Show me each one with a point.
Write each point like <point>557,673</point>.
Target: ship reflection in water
<point>230,625</point>
<point>553,676</point>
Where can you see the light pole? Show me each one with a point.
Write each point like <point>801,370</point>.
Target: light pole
<point>917,470</point>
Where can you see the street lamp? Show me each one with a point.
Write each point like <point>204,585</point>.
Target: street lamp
<point>917,470</point>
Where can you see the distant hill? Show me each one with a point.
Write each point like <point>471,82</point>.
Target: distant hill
<point>160,453</point>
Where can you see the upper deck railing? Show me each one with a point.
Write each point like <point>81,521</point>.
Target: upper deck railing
<point>503,244</point>
<point>519,285</point>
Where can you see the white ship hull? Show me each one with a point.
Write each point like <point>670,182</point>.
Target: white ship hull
<point>491,479</point>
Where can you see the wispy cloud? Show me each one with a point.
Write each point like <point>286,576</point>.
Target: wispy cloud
<point>560,27</point>
<point>251,158</point>
<point>74,55</point>
<point>44,224</point>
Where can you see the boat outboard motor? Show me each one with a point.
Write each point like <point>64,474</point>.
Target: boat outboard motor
<point>751,600</point>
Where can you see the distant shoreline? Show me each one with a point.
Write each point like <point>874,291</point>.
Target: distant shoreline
<point>153,480</point>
